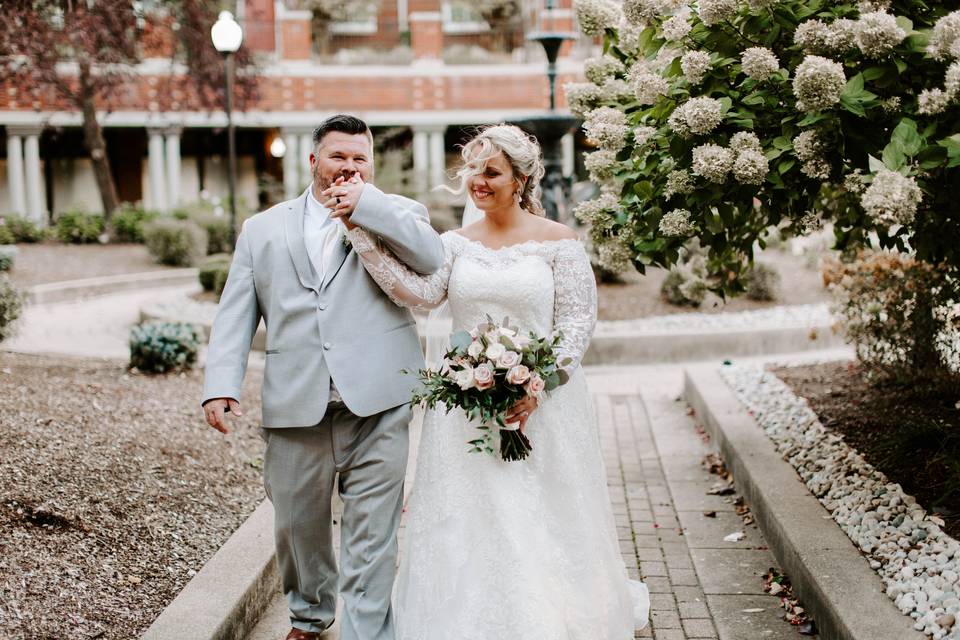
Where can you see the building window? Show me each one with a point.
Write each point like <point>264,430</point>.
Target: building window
<point>363,20</point>
<point>460,16</point>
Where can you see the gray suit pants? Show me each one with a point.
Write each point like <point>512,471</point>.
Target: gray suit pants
<point>300,466</point>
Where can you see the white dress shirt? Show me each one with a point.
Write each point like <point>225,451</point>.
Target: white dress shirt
<point>320,233</point>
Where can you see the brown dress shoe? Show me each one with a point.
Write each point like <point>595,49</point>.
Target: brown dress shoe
<point>300,634</point>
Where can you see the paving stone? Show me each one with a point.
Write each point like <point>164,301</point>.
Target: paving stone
<point>694,610</point>
<point>653,568</point>
<point>692,496</point>
<point>665,620</point>
<point>689,594</point>
<point>708,533</point>
<point>662,602</point>
<point>683,578</point>
<point>736,619</point>
<point>669,634</point>
<point>731,571</point>
<point>702,629</point>
<point>658,585</point>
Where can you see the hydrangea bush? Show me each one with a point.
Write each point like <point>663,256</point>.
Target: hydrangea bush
<point>159,347</point>
<point>723,119</point>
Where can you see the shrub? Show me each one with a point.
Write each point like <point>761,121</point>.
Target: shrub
<point>901,314</point>
<point>11,302</point>
<point>686,283</point>
<point>175,242</point>
<point>218,233</point>
<point>213,272</point>
<point>158,347</point>
<point>7,255</point>
<point>128,222</point>
<point>23,229</point>
<point>79,227</point>
<point>721,120</point>
<point>6,236</point>
<point>762,282</point>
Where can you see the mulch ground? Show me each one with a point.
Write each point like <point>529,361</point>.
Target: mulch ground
<point>909,432</point>
<point>638,296</point>
<point>55,262</point>
<point>113,493</point>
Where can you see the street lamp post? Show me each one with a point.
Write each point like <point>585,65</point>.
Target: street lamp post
<point>227,36</point>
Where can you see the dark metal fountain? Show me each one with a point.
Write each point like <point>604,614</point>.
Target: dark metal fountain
<point>550,128</point>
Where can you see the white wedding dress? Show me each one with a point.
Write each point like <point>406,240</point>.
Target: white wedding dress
<point>521,550</point>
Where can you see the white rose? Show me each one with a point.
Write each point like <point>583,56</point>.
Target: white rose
<point>492,336</point>
<point>483,376</point>
<point>475,349</point>
<point>507,331</point>
<point>535,386</point>
<point>518,374</point>
<point>521,342</point>
<point>464,378</point>
<point>508,359</point>
<point>495,351</point>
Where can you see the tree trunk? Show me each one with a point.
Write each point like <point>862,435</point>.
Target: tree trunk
<point>97,146</point>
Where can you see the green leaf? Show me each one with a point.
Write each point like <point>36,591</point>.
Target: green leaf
<point>460,340</point>
<point>906,137</point>
<point>875,164</point>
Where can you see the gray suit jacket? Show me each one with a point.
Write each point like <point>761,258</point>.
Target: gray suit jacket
<point>344,327</point>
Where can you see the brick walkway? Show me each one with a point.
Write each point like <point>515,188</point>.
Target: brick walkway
<point>701,586</point>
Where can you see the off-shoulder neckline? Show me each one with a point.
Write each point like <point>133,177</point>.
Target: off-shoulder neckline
<point>517,245</point>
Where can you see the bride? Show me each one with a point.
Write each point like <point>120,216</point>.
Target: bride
<point>510,550</point>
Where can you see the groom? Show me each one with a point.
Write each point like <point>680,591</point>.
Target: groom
<point>334,400</point>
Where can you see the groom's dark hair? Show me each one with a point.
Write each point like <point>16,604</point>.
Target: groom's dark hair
<point>344,124</point>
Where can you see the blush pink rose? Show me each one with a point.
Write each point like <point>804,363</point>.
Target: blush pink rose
<point>535,386</point>
<point>483,376</point>
<point>518,374</point>
<point>508,360</point>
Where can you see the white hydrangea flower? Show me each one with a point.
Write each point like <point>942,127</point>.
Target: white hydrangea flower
<point>867,6</point>
<point>641,12</point>
<point>759,63</point>
<point>599,69</point>
<point>932,101</point>
<point>811,222</point>
<point>745,140</point>
<point>695,65</point>
<point>750,167</point>
<point>713,11</point>
<point>955,49</point>
<point>877,33</point>
<point>946,34</point>
<point>595,16</point>
<point>642,135</point>
<point>678,181</point>
<point>597,211</point>
<point>809,148</point>
<point>853,182</point>
<point>891,198</point>
<point>614,254</point>
<point>812,36</point>
<point>607,127</point>
<point>601,164</point>
<point>891,104</point>
<point>952,81</point>
<point>696,116</point>
<point>581,97</point>
<point>818,83</point>
<point>649,86</point>
<point>628,37</point>
<point>676,223</point>
<point>842,35</point>
<point>761,5</point>
<point>677,27</point>
<point>712,162</point>
<point>616,90</point>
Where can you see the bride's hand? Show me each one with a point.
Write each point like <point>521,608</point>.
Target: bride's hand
<point>521,411</point>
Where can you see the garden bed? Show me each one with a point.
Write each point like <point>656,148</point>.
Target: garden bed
<point>909,432</point>
<point>113,493</point>
<point>55,262</point>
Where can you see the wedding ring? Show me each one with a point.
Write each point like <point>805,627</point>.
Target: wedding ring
<point>338,199</point>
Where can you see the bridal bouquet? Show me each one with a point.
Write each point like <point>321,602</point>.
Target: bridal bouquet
<point>488,370</point>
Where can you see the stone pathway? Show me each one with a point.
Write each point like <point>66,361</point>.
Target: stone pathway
<point>701,586</point>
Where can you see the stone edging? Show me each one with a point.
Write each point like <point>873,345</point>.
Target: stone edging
<point>229,594</point>
<point>835,582</point>
<point>76,289</point>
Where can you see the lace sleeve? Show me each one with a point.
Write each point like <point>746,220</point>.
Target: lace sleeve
<point>403,285</point>
<point>575,300</point>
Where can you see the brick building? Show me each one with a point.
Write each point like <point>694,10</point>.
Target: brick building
<point>421,72</point>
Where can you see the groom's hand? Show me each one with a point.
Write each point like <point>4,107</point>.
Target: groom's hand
<point>342,198</point>
<point>215,411</point>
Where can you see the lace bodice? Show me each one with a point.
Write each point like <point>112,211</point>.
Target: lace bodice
<point>541,286</point>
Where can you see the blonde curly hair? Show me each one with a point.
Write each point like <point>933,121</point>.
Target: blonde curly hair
<point>521,150</point>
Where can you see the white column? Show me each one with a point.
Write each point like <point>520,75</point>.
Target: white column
<point>567,155</point>
<point>173,166</point>
<point>31,154</point>
<point>291,164</point>
<point>158,182</point>
<point>18,198</point>
<point>305,148</point>
<point>438,160</point>
<point>421,160</point>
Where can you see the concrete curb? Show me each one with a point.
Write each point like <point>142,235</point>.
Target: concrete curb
<point>77,289</point>
<point>845,596</point>
<point>226,598</point>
